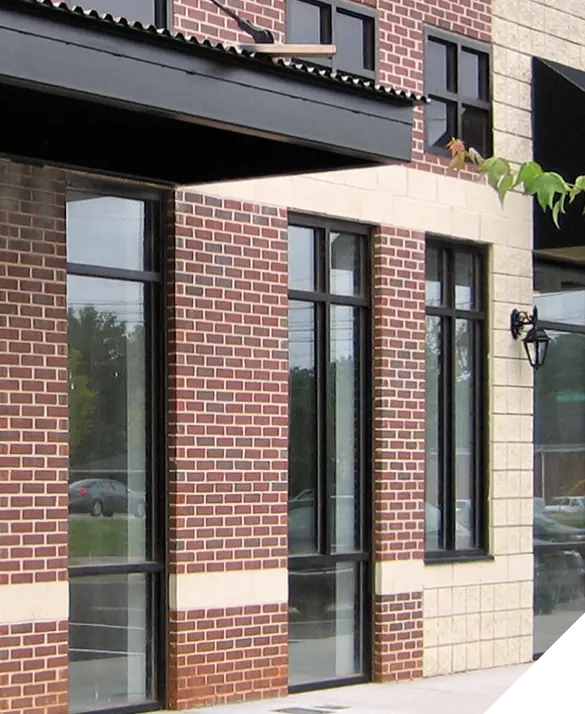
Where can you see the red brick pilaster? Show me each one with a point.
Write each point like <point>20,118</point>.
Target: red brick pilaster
<point>34,436</point>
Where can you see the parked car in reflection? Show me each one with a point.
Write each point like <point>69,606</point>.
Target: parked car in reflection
<point>105,497</point>
<point>559,577</point>
<point>566,504</point>
<point>548,529</point>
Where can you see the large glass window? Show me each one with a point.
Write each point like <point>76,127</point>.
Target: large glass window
<point>559,455</point>
<point>115,560</point>
<point>328,453</point>
<point>455,401</point>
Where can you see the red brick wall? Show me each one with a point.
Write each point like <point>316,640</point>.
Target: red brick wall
<point>226,655</point>
<point>202,19</point>
<point>33,423</point>
<point>399,432</point>
<point>401,41</point>
<point>398,650</point>
<point>228,430</point>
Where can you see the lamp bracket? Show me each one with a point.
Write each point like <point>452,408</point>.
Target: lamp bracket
<point>519,319</point>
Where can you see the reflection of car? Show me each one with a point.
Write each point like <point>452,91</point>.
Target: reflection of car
<point>559,576</point>
<point>547,529</point>
<point>539,504</point>
<point>566,504</point>
<point>104,497</point>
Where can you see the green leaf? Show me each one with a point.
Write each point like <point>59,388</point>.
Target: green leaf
<point>506,185</point>
<point>558,208</point>
<point>528,172</point>
<point>580,183</point>
<point>495,168</point>
<point>546,187</point>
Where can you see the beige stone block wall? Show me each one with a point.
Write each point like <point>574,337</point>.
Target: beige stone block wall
<point>550,29</point>
<point>476,615</point>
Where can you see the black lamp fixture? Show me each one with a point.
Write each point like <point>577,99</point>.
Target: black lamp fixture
<point>536,341</point>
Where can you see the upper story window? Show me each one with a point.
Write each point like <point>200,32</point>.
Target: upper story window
<point>351,28</point>
<point>457,79</point>
<point>148,12</point>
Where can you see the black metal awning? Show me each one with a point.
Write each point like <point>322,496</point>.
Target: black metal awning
<point>558,106</point>
<point>87,91</point>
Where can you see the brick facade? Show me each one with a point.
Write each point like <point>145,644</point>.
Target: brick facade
<point>33,423</point>
<point>228,419</point>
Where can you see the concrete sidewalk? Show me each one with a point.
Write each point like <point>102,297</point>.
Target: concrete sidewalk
<point>469,693</point>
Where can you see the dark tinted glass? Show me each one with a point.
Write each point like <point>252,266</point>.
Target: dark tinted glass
<point>473,78</point>
<point>325,623</point>
<point>476,129</point>
<point>107,420</point>
<point>441,68</point>
<point>106,230</point>
<point>441,123</point>
<point>560,294</point>
<point>136,10</point>
<point>354,39</point>
<point>345,277</point>
<point>464,436</point>
<point>559,464</point>
<point>305,23</point>
<point>433,498</point>
<point>303,488</point>
<point>465,288</point>
<point>301,258</point>
<point>434,280</point>
<point>345,437</point>
<point>108,642</point>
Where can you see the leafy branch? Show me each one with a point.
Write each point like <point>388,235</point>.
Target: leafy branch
<point>551,189</point>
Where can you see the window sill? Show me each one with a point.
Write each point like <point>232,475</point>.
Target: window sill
<point>454,558</point>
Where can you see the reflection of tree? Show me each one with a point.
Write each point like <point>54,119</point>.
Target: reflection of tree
<point>81,400</point>
<point>102,352</point>
<point>302,431</point>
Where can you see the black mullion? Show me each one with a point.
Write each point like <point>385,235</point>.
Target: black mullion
<point>79,571</point>
<point>307,295</point>
<point>298,562</point>
<point>321,425</point>
<point>329,435</point>
<point>100,271</point>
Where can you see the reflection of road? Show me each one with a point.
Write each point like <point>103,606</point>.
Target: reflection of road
<point>549,628</point>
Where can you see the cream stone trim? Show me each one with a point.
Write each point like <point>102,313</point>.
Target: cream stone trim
<point>233,588</point>
<point>393,577</point>
<point>34,602</point>
<point>395,196</point>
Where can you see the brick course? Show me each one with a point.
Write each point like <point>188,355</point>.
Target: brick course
<point>398,649</point>
<point>33,424</point>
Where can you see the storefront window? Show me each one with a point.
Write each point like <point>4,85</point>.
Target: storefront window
<point>115,562</point>
<point>559,458</point>
<point>328,487</point>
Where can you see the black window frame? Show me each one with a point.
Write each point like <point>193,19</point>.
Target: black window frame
<point>460,43</point>
<point>154,567</point>
<point>449,313</point>
<point>321,298</point>
<point>355,9</point>
<point>163,12</point>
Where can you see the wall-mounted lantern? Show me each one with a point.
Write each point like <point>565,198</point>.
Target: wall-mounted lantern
<point>536,341</point>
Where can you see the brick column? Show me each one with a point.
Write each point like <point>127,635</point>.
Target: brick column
<point>228,452</point>
<point>399,430</point>
<point>34,441</point>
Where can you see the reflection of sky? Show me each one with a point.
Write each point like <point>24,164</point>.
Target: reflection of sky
<point>562,307</point>
<point>106,231</point>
